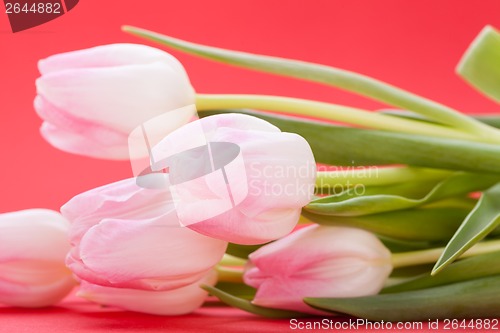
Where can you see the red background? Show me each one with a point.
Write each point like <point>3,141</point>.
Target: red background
<point>412,44</point>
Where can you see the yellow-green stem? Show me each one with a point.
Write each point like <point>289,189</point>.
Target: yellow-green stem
<point>229,260</point>
<point>376,176</point>
<point>226,274</point>
<point>430,256</point>
<point>333,112</point>
<point>332,76</point>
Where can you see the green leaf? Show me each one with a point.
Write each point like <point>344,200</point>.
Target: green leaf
<point>459,183</point>
<point>425,224</point>
<point>339,78</point>
<point>338,145</point>
<point>407,272</point>
<point>398,245</point>
<point>360,187</point>
<point>247,306</point>
<point>470,299</point>
<point>239,290</point>
<point>482,220</point>
<point>480,65</point>
<point>242,251</point>
<point>378,179</point>
<point>491,120</point>
<point>466,269</point>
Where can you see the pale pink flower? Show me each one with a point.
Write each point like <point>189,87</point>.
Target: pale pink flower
<point>92,99</point>
<point>126,236</point>
<point>317,261</point>
<point>248,187</point>
<point>33,245</point>
<point>178,301</point>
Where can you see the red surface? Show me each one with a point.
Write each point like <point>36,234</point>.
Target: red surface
<point>413,44</point>
<point>76,315</point>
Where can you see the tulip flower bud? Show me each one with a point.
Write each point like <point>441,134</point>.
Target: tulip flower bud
<point>317,261</point>
<point>33,245</point>
<point>126,236</point>
<point>90,100</point>
<point>178,301</point>
<point>237,177</point>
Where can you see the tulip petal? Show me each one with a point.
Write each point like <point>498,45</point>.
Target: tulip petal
<point>107,56</point>
<point>173,302</point>
<point>280,169</point>
<point>70,142</point>
<point>121,200</point>
<point>156,254</point>
<point>318,261</point>
<point>127,236</point>
<point>238,228</point>
<point>36,295</point>
<point>200,132</point>
<point>92,99</point>
<point>34,234</point>
<point>117,97</point>
<point>278,174</point>
<point>79,136</point>
<point>33,245</point>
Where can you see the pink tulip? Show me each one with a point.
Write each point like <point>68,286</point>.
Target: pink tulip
<point>317,261</point>
<point>248,187</point>
<point>126,236</point>
<point>92,99</point>
<point>33,245</point>
<point>171,302</point>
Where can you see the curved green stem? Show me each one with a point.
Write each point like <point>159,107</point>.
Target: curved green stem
<point>336,77</point>
<point>376,176</point>
<point>226,274</point>
<point>331,112</point>
<point>430,256</point>
<point>229,260</point>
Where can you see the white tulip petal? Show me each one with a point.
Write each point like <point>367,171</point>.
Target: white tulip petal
<point>120,98</point>
<point>158,251</point>
<point>34,234</point>
<point>172,302</point>
<point>317,261</point>
<point>107,56</point>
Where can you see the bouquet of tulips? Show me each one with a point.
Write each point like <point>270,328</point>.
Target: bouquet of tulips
<point>310,209</point>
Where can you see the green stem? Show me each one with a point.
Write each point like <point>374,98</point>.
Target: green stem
<point>430,256</point>
<point>229,260</point>
<point>328,111</point>
<point>376,176</point>
<point>336,77</point>
<point>226,274</point>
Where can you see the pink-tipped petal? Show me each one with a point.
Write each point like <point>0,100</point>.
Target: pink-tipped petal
<point>250,196</point>
<point>37,234</point>
<point>112,55</point>
<point>36,295</point>
<point>71,142</point>
<point>120,200</point>
<point>33,245</point>
<point>93,99</point>
<point>166,303</point>
<point>318,261</point>
<point>156,254</point>
<point>118,97</point>
<point>127,236</point>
